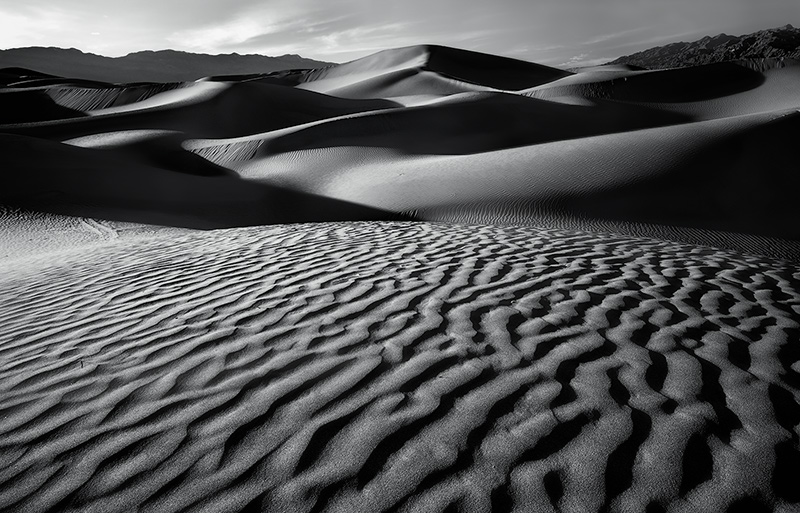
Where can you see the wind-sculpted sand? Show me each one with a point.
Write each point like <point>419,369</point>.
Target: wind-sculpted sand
<point>428,280</point>
<point>427,133</point>
<point>399,367</point>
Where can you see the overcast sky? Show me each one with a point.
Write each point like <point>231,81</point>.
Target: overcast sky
<point>555,32</point>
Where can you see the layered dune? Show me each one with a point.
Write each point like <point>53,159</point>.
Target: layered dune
<point>426,280</point>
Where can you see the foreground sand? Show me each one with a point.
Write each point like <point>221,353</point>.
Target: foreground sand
<point>398,367</point>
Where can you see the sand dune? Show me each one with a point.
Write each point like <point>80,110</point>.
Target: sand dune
<point>669,86</point>
<point>158,187</point>
<point>201,109</point>
<point>694,176</point>
<point>449,64</point>
<point>702,92</point>
<point>466,124</point>
<point>427,280</point>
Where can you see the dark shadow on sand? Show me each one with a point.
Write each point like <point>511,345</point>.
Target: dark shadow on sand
<point>243,109</point>
<point>746,183</point>
<point>492,122</point>
<point>53,177</point>
<point>32,107</point>
<point>698,83</point>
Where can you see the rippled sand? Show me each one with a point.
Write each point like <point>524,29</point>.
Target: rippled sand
<point>398,366</point>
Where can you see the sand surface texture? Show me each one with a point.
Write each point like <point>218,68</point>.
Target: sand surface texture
<point>428,280</point>
<point>380,366</point>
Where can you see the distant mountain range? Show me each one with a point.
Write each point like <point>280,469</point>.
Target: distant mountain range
<point>147,66</point>
<point>776,43</point>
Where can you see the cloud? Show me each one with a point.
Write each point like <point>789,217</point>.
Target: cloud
<point>34,26</point>
<point>614,35</point>
<point>578,58</point>
<point>338,45</point>
<point>583,61</point>
<point>302,31</point>
<point>539,30</point>
<point>231,33</point>
<point>236,27</point>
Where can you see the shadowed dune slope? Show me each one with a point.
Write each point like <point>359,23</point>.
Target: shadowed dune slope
<point>33,106</point>
<point>54,177</point>
<point>702,92</point>
<point>470,123</point>
<point>687,84</point>
<point>700,154</point>
<point>411,82</point>
<point>202,109</point>
<point>452,63</point>
<point>370,367</point>
<point>102,97</point>
<point>489,70</point>
<point>739,183</point>
<point>15,75</point>
<point>713,175</point>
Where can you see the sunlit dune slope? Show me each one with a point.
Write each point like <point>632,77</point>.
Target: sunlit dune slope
<point>439,133</point>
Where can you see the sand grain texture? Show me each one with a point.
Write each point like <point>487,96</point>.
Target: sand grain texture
<point>398,366</point>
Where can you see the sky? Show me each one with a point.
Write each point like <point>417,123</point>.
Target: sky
<point>554,32</point>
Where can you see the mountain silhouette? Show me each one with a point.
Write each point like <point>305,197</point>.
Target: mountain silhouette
<point>777,45</point>
<point>146,66</point>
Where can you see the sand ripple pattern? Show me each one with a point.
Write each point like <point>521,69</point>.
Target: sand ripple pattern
<point>372,367</point>
<point>94,98</point>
